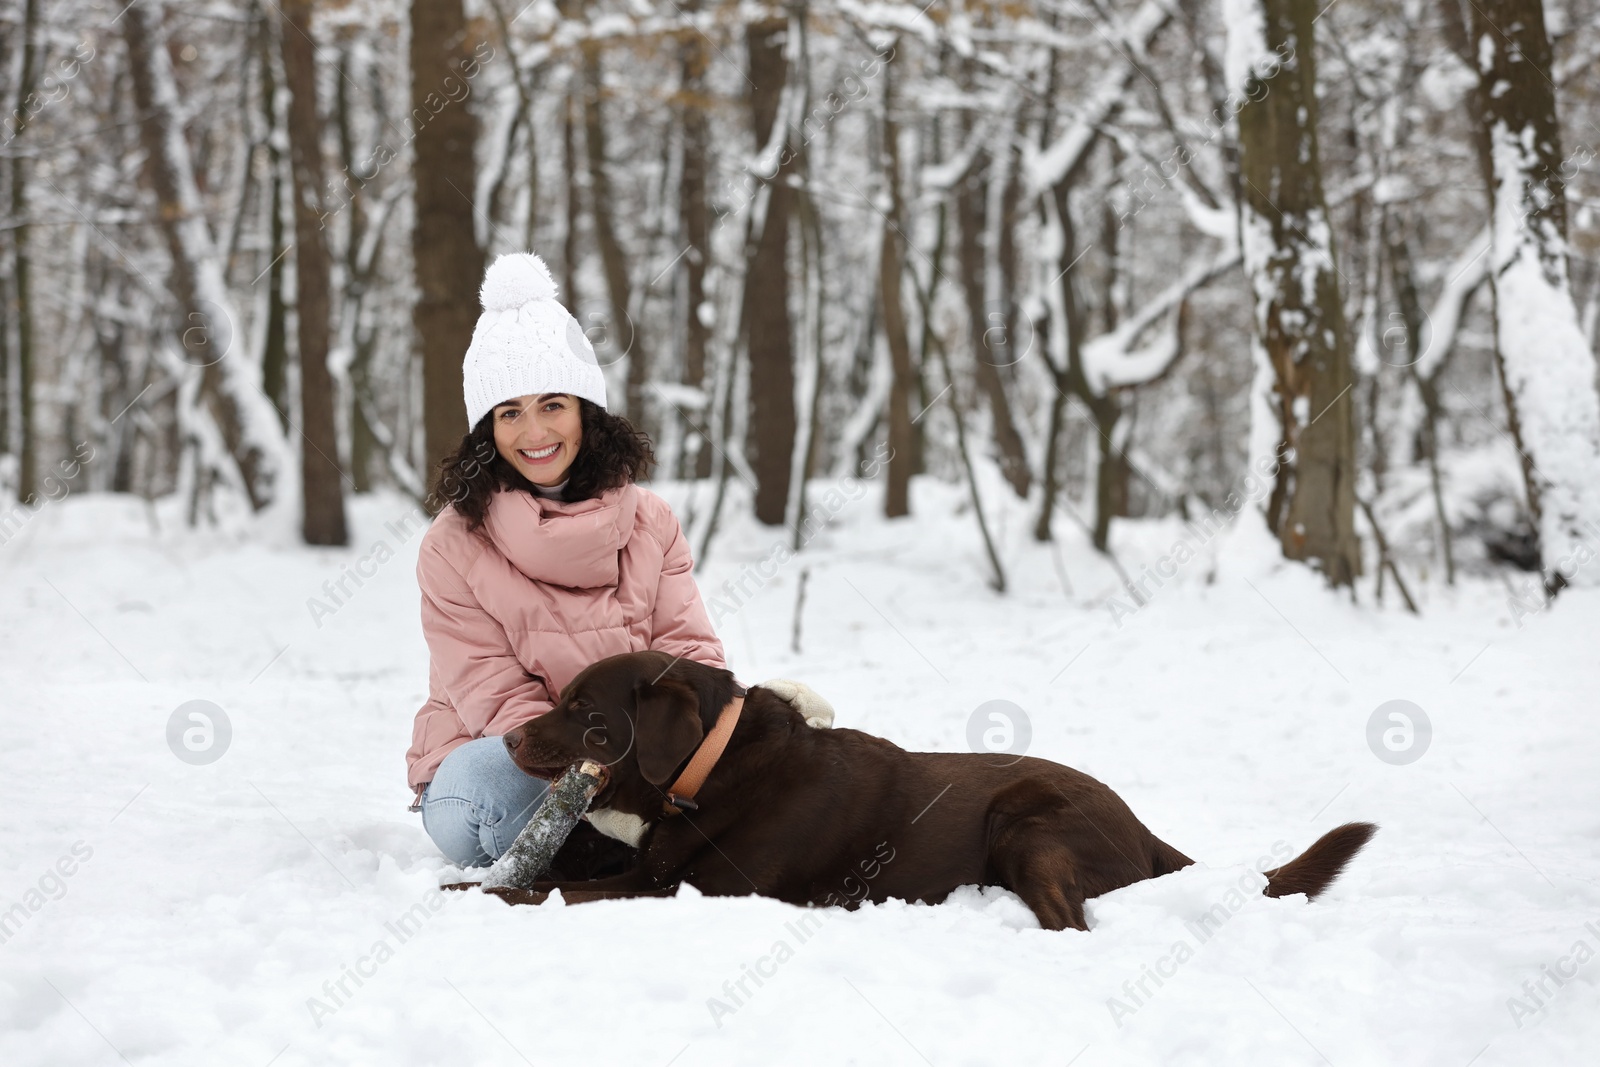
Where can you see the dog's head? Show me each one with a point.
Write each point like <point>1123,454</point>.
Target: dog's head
<point>640,714</point>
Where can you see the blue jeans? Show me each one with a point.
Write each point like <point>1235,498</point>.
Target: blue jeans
<point>478,802</point>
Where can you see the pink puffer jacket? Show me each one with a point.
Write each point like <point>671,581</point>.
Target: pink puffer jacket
<point>509,623</point>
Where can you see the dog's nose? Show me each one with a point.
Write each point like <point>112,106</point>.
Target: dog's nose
<point>512,740</point>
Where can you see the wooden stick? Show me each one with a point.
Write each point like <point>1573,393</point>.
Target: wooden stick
<point>531,854</point>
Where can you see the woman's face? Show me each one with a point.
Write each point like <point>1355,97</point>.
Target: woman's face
<point>539,435</point>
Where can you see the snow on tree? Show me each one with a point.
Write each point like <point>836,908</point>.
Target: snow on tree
<point>1546,367</point>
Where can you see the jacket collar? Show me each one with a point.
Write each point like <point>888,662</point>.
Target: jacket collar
<point>574,544</point>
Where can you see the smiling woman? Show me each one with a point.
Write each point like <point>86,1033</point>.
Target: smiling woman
<point>547,558</point>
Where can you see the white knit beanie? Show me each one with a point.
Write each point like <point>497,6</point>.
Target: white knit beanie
<point>525,342</point>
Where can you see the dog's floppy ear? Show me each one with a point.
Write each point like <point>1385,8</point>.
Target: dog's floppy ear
<point>667,727</point>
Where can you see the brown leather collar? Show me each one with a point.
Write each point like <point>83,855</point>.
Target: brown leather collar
<point>680,795</point>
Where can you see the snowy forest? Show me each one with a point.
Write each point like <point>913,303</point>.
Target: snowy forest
<point>1122,255</point>
<point>1196,394</point>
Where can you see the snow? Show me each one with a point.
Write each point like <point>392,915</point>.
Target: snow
<point>1256,246</point>
<point>1246,54</point>
<point>1486,53</point>
<point>1445,81</point>
<point>1443,323</point>
<point>687,397</point>
<point>280,904</point>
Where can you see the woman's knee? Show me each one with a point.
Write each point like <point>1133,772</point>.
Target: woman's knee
<point>478,802</point>
<point>454,825</point>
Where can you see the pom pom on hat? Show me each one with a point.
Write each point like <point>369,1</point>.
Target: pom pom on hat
<point>515,279</point>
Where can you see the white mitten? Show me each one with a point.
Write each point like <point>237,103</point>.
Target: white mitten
<point>816,711</point>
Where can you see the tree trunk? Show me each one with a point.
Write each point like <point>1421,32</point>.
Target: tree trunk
<point>986,321</point>
<point>444,248</point>
<point>364,443</point>
<point>1301,414</point>
<point>569,238</point>
<point>5,312</point>
<point>1067,321</point>
<point>1111,473</point>
<point>209,327</point>
<point>323,521</point>
<point>275,352</point>
<point>769,335</point>
<point>22,263</point>
<point>694,58</point>
<point>1111,477</point>
<point>1546,368</point>
<point>897,492</point>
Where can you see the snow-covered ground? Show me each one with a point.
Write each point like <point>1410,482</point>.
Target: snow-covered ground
<point>277,905</point>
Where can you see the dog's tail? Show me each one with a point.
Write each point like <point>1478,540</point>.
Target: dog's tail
<point>1315,869</point>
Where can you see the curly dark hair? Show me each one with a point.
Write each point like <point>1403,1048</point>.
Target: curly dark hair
<point>611,453</point>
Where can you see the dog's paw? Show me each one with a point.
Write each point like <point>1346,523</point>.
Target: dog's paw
<point>807,701</point>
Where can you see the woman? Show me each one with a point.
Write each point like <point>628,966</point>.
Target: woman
<point>547,558</point>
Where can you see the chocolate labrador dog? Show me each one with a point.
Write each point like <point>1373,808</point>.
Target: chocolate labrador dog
<point>837,816</point>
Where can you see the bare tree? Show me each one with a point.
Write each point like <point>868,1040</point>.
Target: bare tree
<point>768,330</point>
<point>209,327</point>
<point>994,207</point>
<point>891,259</point>
<point>1302,414</point>
<point>275,351</point>
<point>322,521</point>
<point>986,318</point>
<point>694,56</point>
<point>444,246</point>
<point>1065,162</point>
<point>22,267</point>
